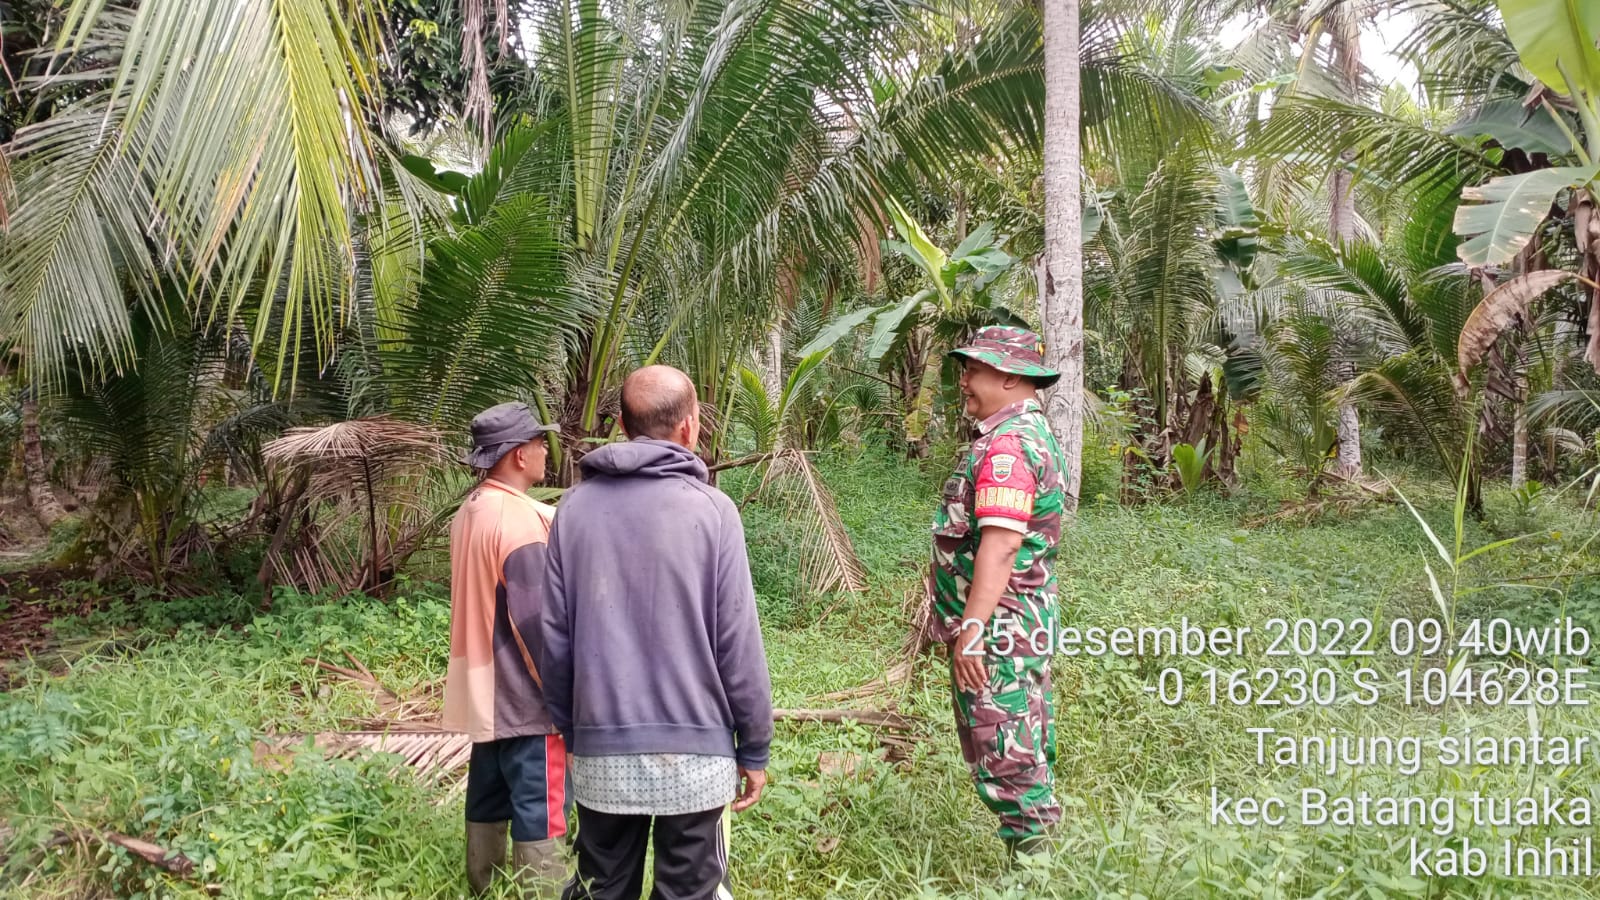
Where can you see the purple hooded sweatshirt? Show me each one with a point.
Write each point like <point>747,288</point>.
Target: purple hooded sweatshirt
<point>648,639</point>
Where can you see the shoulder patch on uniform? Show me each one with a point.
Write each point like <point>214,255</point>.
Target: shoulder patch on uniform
<point>1000,466</point>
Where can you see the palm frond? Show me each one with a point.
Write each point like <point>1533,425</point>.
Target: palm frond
<point>8,192</point>
<point>1393,154</point>
<point>431,754</point>
<point>755,411</point>
<point>145,418</point>
<point>246,119</point>
<point>828,559</point>
<point>1151,285</point>
<point>77,241</point>
<point>1575,409</point>
<point>493,313</point>
<point>1417,398</point>
<point>1302,355</point>
<point>356,499</point>
<point>1445,297</point>
<point>343,449</point>
<point>1359,271</point>
<point>1461,50</point>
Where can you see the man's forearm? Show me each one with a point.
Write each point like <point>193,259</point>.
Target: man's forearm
<point>991,572</point>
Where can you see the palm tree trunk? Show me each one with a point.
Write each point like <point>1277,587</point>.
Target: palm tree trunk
<point>961,215</point>
<point>1519,432</point>
<point>1061,299</point>
<point>1342,229</point>
<point>43,500</point>
<point>772,360</point>
<point>1349,428</point>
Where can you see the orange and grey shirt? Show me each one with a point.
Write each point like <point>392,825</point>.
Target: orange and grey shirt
<point>497,556</point>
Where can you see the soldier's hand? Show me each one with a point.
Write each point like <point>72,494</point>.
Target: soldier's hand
<point>751,781</point>
<point>970,673</point>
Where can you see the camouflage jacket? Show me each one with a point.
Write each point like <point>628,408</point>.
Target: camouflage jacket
<point>1012,477</point>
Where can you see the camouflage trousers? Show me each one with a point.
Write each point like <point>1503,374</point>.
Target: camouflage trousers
<point>1008,740</point>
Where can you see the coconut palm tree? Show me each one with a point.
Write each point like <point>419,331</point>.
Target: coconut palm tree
<point>1061,275</point>
<point>1523,169</point>
<point>1335,71</point>
<point>1168,255</point>
<point>1411,301</point>
<point>225,143</point>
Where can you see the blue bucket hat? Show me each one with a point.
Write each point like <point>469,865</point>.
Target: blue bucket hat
<point>500,429</point>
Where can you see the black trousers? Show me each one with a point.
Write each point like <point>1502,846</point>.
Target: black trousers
<point>691,856</point>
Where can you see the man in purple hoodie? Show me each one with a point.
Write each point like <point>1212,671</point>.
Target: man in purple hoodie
<point>651,654</point>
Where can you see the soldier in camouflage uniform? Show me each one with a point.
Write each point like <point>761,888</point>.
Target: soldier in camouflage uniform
<point>993,585</point>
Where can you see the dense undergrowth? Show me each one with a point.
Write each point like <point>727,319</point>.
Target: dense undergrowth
<point>150,726</point>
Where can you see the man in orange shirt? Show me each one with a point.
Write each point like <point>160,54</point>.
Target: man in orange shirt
<point>517,773</point>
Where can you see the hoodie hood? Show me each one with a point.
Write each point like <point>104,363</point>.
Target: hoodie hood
<point>644,457</point>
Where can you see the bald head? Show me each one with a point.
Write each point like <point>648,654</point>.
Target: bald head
<point>657,402</point>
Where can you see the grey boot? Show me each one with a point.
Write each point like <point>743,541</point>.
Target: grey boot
<point>486,851</point>
<point>539,868</point>
<point>1036,845</point>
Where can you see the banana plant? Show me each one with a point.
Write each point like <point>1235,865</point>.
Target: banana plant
<point>909,336</point>
<point>1190,461</point>
<point>1555,40</point>
<point>958,284</point>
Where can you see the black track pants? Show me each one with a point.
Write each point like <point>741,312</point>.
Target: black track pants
<point>691,856</point>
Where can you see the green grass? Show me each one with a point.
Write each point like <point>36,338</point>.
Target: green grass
<point>152,733</point>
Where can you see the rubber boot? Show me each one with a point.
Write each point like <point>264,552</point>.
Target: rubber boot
<point>540,870</point>
<point>1033,846</point>
<point>486,851</point>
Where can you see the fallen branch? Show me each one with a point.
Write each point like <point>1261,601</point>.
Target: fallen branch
<point>879,718</point>
<point>364,676</point>
<point>171,861</point>
<point>362,667</point>
<point>750,460</point>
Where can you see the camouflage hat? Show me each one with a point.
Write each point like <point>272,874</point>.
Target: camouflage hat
<point>1010,349</point>
<point>500,429</point>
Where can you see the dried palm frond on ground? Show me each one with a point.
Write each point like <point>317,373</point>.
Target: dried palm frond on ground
<point>407,726</point>
<point>433,754</point>
<point>828,559</point>
<point>918,613</point>
<point>352,501</point>
<point>420,707</point>
<point>1338,495</point>
<point>872,717</point>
